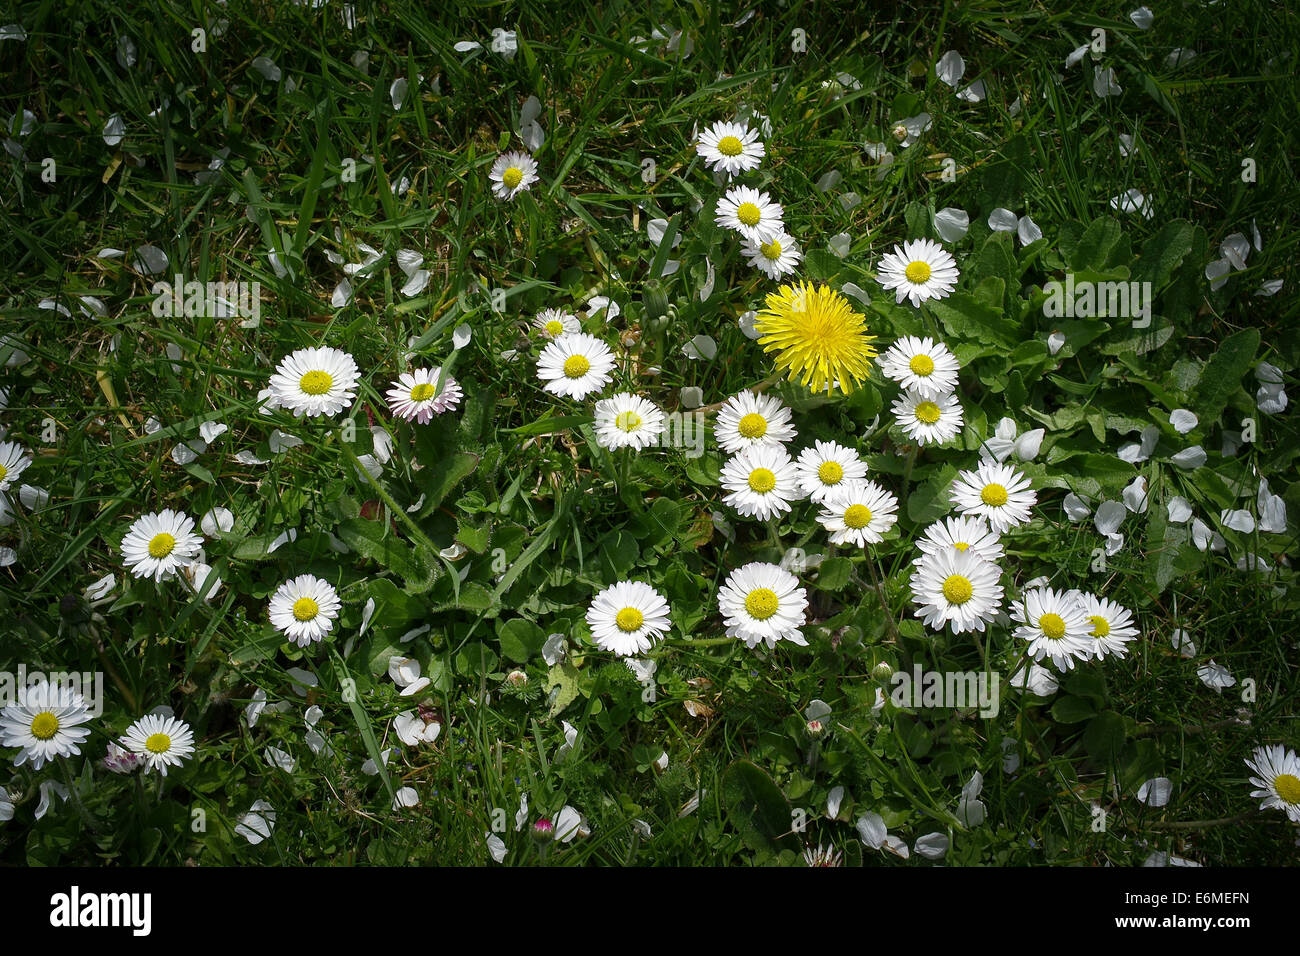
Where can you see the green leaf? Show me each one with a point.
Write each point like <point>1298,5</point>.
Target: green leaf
<point>1163,253</point>
<point>1096,245</point>
<point>1165,542</point>
<point>258,649</point>
<point>1224,372</point>
<point>618,554</point>
<point>473,597</point>
<point>1104,737</point>
<point>834,573</point>
<point>370,540</point>
<point>562,679</point>
<point>917,217</point>
<point>476,539</point>
<point>551,424</point>
<point>1072,710</point>
<point>757,808</point>
<point>665,247</point>
<point>967,318</point>
<point>362,720</point>
<point>929,500</point>
<point>520,639</point>
<point>444,477</point>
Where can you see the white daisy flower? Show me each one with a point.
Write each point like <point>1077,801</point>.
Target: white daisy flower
<point>961,534</point>
<point>750,419</point>
<point>958,588</point>
<point>1111,624</point>
<point>304,609</point>
<point>776,258</point>
<point>315,381</point>
<point>162,741</point>
<point>858,512</point>
<point>1278,779</point>
<point>750,213</point>
<point>825,466</point>
<point>760,481</point>
<point>763,603</point>
<point>997,493</point>
<point>556,322</point>
<point>921,364</point>
<point>929,421</point>
<point>511,174</point>
<point>730,148</point>
<point>627,421</point>
<point>1055,626</point>
<point>575,365</point>
<point>159,543</point>
<point>918,270</point>
<point>43,721</point>
<point>14,459</point>
<point>418,396</point>
<point>628,618</point>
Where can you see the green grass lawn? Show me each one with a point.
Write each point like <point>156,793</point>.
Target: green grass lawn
<point>329,153</point>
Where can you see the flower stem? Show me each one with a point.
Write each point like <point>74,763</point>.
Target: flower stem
<point>880,590</point>
<point>397,510</point>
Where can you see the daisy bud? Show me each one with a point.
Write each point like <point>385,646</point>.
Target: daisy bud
<point>816,728</point>
<point>517,678</point>
<point>543,830</point>
<point>882,672</point>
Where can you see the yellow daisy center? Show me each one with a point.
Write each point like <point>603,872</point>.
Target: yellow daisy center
<point>921,365</point>
<point>628,421</point>
<point>820,341</point>
<point>576,366</point>
<point>316,383</point>
<point>512,177</point>
<point>857,516</point>
<point>748,213</point>
<point>1287,787</point>
<point>762,480</point>
<point>422,392</point>
<point>957,589</point>
<point>304,609</point>
<point>830,473</point>
<point>994,495</point>
<point>161,545</point>
<point>554,327</point>
<point>761,603</point>
<point>730,146</point>
<point>629,619</point>
<point>44,725</point>
<point>927,412</point>
<point>961,545</point>
<point>3,471</point>
<point>1053,625</point>
<point>158,744</point>
<point>917,271</point>
<point>752,425</point>
<point>1100,626</point>
<point>771,250</point>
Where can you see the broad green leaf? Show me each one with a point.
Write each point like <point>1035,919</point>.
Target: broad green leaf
<point>1223,373</point>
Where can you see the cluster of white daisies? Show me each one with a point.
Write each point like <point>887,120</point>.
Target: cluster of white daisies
<point>734,148</point>
<point>310,382</point>
<point>46,721</point>
<point>956,578</point>
<point>575,364</point>
<point>917,270</point>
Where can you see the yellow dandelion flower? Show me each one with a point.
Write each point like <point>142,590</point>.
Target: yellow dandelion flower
<point>820,341</point>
